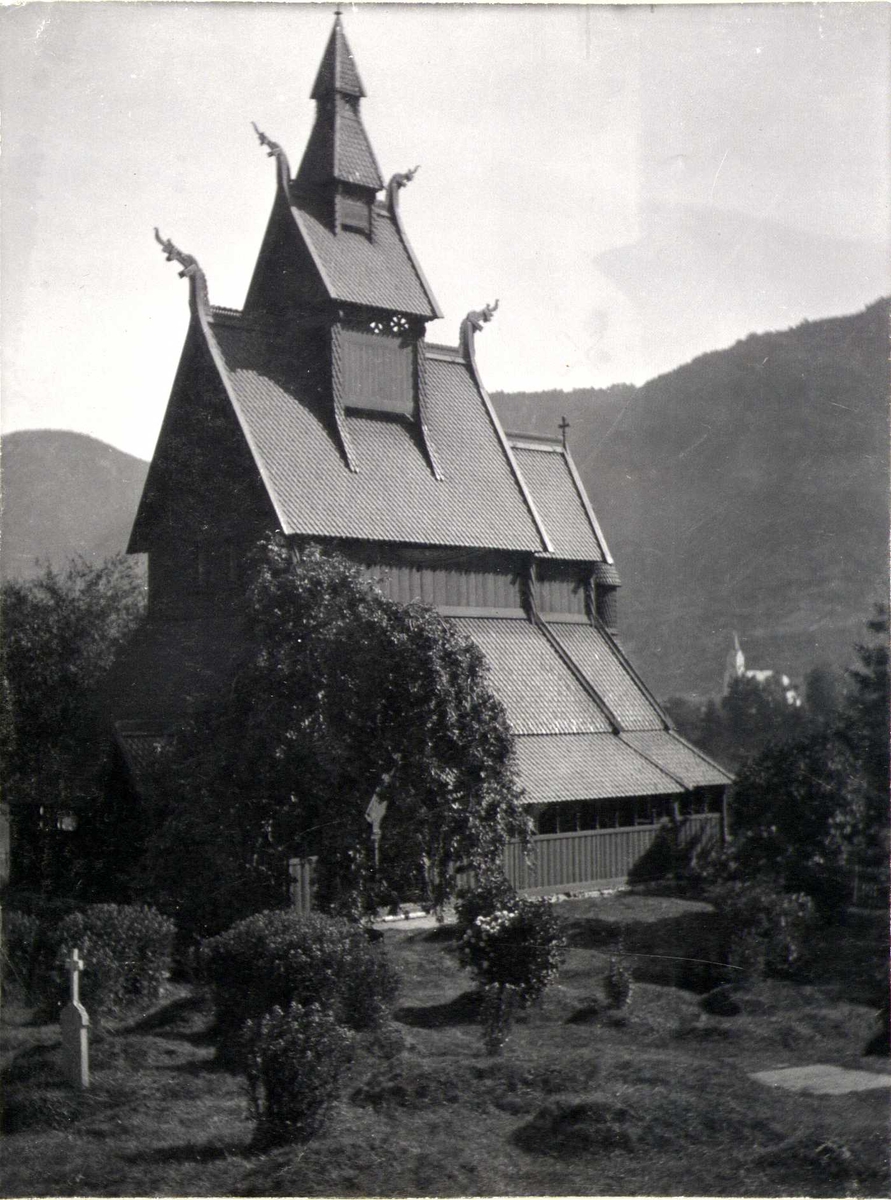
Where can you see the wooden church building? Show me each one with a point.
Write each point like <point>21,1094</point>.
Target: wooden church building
<point>321,410</point>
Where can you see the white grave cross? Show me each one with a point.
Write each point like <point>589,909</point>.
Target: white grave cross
<point>75,1023</point>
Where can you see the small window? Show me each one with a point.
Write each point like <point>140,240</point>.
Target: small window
<point>355,214</point>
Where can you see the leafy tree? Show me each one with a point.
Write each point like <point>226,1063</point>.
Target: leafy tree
<point>823,696</point>
<point>866,713</point>
<point>756,713</point>
<point>345,695</point>
<point>60,633</point>
<point>797,814</point>
<point>865,730</point>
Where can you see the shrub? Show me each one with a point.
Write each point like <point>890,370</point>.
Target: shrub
<point>521,947</point>
<point>126,950</point>
<point>274,959</point>
<point>513,955</point>
<point>19,945</point>
<point>493,893</point>
<point>763,929</point>
<point>293,1064</point>
<point>617,984</point>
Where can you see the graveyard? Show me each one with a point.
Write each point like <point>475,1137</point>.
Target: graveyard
<point>658,1097</point>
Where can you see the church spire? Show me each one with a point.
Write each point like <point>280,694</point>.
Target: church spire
<point>338,155</point>
<point>337,70</point>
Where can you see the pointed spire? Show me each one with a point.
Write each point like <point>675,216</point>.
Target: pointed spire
<point>338,151</point>
<point>337,70</point>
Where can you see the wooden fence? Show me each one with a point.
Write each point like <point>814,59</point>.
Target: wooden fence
<point>302,871</point>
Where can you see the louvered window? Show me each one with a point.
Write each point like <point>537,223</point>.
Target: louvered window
<point>378,370</point>
<point>355,214</point>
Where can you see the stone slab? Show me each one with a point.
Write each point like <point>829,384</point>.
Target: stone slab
<point>822,1079</point>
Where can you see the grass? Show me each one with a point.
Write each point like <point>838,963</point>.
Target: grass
<point>655,1100</point>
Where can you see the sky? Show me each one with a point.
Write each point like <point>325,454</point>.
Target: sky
<point>636,185</point>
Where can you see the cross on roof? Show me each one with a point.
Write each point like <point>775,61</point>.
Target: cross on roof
<point>563,427</point>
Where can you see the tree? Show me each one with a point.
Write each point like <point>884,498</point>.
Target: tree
<point>343,696</point>
<point>797,813</point>
<point>755,713</point>
<point>866,712</point>
<point>823,696</point>
<point>61,633</point>
<point>865,730</point>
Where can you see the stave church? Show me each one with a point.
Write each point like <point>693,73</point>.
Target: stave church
<point>321,410</point>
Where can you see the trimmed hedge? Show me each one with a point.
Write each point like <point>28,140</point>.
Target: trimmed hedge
<point>513,947</point>
<point>277,958</point>
<point>126,949</point>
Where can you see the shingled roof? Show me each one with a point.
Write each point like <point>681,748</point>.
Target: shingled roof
<point>560,500</point>
<point>566,747</point>
<point>393,495</point>
<point>337,70</point>
<point>379,272</point>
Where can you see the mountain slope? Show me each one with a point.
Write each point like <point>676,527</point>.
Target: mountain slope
<point>746,490</point>
<point>64,494</point>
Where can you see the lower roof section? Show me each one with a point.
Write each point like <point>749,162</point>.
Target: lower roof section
<point>587,766</point>
<point>539,691</point>
<point>670,752</point>
<point>596,654</point>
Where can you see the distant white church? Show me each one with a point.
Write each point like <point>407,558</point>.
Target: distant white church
<point>735,668</point>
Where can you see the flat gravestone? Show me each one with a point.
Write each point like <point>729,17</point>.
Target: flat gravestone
<point>820,1079</point>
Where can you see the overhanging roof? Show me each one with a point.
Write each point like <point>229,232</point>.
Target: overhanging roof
<point>587,766</point>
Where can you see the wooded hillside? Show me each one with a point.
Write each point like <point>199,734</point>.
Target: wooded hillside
<point>746,490</point>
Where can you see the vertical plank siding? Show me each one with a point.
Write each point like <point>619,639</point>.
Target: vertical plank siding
<point>447,586</point>
<point>601,857</point>
<point>597,857</point>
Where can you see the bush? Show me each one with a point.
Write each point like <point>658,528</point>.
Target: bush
<point>274,959</point>
<point>293,1064</point>
<point>20,933</point>
<point>763,929</point>
<point>493,893</point>
<point>513,955</point>
<point>126,951</point>
<point>617,984</point>
<point>521,947</point>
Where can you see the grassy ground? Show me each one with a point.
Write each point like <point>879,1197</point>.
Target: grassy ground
<point>656,1100</point>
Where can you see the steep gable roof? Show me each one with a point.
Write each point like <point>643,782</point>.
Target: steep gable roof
<point>345,266</point>
<point>392,496</point>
